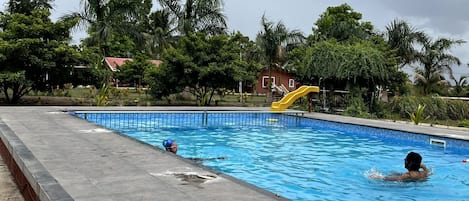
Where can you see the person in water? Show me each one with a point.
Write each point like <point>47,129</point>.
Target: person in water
<point>413,163</point>
<point>171,146</point>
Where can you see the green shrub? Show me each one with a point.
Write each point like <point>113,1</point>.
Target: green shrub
<point>380,109</point>
<point>68,86</point>
<point>116,93</point>
<point>356,108</point>
<point>417,117</point>
<point>458,110</point>
<point>101,99</point>
<point>464,123</point>
<point>57,91</point>
<point>436,107</point>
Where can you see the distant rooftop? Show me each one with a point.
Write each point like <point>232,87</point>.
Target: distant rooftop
<point>114,62</point>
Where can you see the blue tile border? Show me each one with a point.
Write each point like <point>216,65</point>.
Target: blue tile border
<point>368,131</point>
<point>294,119</point>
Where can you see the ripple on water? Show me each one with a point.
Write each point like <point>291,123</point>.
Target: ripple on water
<point>320,161</point>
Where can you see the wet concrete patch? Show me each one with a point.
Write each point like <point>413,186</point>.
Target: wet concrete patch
<point>194,179</point>
<point>189,178</point>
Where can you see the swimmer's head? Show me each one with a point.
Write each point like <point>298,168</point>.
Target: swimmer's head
<point>170,145</point>
<point>167,143</point>
<point>412,161</point>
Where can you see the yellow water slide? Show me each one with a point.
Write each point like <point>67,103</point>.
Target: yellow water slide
<point>291,97</point>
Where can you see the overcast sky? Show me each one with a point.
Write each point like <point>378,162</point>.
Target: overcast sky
<point>437,18</point>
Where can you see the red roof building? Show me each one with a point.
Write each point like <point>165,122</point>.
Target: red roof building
<point>114,62</point>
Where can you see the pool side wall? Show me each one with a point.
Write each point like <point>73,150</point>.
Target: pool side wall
<point>439,132</point>
<point>33,180</point>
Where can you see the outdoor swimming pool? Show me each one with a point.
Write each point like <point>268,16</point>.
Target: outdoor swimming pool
<point>300,158</point>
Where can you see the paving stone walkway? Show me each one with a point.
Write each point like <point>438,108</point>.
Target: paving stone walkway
<point>65,158</point>
<point>8,189</point>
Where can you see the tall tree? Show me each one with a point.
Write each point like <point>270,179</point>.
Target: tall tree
<point>133,72</point>
<point>250,57</point>
<point>33,47</point>
<point>16,83</point>
<point>105,17</point>
<point>359,67</point>
<point>401,38</point>
<point>459,85</point>
<point>435,60</point>
<point>197,15</point>
<point>360,64</point>
<point>204,64</point>
<point>159,33</point>
<point>273,40</point>
<point>27,6</point>
<point>343,24</point>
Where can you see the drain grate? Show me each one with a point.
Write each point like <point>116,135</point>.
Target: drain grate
<point>437,142</point>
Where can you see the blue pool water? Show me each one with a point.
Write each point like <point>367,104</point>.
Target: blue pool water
<point>304,159</point>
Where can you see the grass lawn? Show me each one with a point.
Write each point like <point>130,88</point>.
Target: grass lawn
<point>133,97</point>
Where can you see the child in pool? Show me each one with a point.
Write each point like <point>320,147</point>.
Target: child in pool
<point>171,146</point>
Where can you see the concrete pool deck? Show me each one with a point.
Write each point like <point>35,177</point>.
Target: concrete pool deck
<point>66,158</point>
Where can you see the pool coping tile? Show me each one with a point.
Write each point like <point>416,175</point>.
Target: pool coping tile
<point>34,136</point>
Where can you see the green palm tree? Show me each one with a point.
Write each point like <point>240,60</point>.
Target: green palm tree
<point>26,6</point>
<point>435,60</point>
<point>158,33</point>
<point>197,15</point>
<point>273,40</point>
<point>107,16</point>
<point>460,84</point>
<point>429,82</point>
<point>401,38</point>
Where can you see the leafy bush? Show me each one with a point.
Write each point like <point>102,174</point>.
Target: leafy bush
<point>14,85</point>
<point>436,107</point>
<point>68,86</point>
<point>464,123</point>
<point>356,108</point>
<point>101,99</point>
<point>458,110</point>
<point>417,117</point>
<point>380,109</point>
<point>57,91</point>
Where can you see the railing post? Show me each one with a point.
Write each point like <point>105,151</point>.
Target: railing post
<point>204,118</point>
